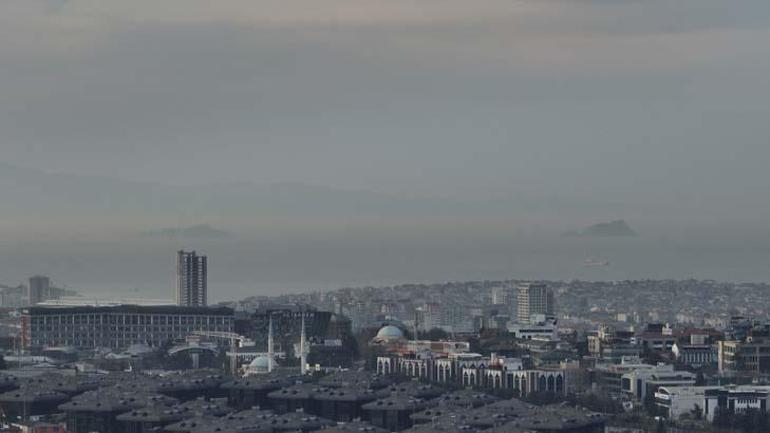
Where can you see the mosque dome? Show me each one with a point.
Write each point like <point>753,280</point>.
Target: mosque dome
<point>260,364</point>
<point>389,332</point>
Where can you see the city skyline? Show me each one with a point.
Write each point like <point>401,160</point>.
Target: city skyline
<point>422,216</point>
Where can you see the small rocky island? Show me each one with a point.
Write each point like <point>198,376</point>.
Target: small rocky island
<point>610,229</point>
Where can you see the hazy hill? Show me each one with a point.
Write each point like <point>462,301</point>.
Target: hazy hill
<point>25,191</point>
<point>609,229</point>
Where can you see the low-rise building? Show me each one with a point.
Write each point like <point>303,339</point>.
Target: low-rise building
<point>708,400</point>
<point>613,345</point>
<point>676,401</point>
<point>644,382</point>
<point>609,377</point>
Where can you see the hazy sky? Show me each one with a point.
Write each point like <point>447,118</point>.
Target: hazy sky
<point>609,97</point>
<point>578,111</point>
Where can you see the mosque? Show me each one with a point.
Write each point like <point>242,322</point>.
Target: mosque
<point>453,362</point>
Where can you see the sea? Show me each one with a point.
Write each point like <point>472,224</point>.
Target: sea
<point>243,266</point>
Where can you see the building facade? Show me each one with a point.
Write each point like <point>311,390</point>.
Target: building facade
<point>39,288</point>
<point>287,325</point>
<point>118,326</point>
<point>644,382</point>
<point>532,300</point>
<point>471,370</point>
<point>191,279</point>
<point>680,400</point>
<point>751,355</point>
<point>695,355</point>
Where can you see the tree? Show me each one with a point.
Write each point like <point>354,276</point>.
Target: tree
<point>723,418</point>
<point>435,334</point>
<point>650,407</point>
<point>696,412</point>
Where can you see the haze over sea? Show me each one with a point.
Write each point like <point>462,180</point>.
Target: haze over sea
<point>356,142</point>
<point>105,236</point>
<point>269,265</point>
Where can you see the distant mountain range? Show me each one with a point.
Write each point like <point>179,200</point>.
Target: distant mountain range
<point>26,191</point>
<point>609,229</point>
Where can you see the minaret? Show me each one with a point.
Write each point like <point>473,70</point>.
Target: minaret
<point>414,337</point>
<point>270,345</point>
<point>303,348</point>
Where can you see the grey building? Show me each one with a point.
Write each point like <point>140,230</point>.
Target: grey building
<point>191,279</point>
<point>118,326</point>
<point>287,325</point>
<point>39,289</point>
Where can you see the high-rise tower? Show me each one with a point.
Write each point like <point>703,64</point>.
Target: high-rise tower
<point>532,300</point>
<point>39,289</point>
<point>191,279</point>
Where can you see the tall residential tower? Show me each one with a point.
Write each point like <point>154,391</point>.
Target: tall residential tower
<point>532,300</point>
<point>191,279</point>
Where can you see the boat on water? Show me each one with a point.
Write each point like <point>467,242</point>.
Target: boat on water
<point>593,263</point>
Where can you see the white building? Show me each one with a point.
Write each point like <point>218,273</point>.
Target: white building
<point>539,327</point>
<point>476,371</point>
<point>735,399</point>
<point>680,400</point>
<point>502,295</point>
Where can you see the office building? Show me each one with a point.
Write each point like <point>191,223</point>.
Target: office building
<point>118,326</point>
<point>39,289</point>
<point>751,355</point>
<point>191,279</point>
<point>287,326</point>
<point>533,300</point>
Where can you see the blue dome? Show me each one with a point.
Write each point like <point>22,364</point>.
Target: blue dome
<point>390,332</point>
<point>260,362</point>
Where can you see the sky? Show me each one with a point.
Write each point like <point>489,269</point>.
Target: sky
<point>430,97</point>
<point>575,111</point>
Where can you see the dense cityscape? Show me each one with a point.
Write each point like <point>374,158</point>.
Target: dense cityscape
<point>492,356</point>
<point>384,216</point>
